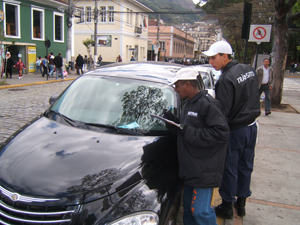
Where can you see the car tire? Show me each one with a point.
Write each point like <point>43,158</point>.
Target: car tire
<point>172,216</point>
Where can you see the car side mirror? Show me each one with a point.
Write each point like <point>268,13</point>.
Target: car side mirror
<point>53,98</point>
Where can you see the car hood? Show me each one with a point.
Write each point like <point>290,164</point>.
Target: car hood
<point>56,161</point>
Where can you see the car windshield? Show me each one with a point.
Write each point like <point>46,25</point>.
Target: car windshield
<point>119,102</point>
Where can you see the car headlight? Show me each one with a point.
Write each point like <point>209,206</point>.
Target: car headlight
<point>141,218</point>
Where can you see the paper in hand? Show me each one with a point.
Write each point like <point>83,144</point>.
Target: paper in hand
<point>166,120</point>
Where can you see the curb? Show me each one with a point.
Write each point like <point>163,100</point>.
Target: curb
<point>35,83</point>
<point>290,76</point>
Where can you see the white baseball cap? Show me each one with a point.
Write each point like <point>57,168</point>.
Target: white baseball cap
<point>185,74</point>
<point>219,47</point>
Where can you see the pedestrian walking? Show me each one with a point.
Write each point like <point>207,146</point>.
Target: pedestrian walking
<point>45,66</point>
<point>119,59</point>
<point>38,65</point>
<point>237,90</point>
<point>20,66</point>
<point>58,65</point>
<point>99,60</point>
<point>132,59</point>
<point>8,64</point>
<point>51,64</point>
<point>85,62</point>
<point>265,82</point>
<point>292,68</point>
<point>79,63</point>
<point>202,142</point>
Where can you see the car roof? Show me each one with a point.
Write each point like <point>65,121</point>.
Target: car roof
<point>162,72</point>
<point>203,68</point>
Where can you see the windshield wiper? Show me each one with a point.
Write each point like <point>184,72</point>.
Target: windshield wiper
<point>117,129</point>
<point>67,119</point>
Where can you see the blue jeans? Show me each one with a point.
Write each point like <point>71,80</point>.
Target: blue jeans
<point>39,68</point>
<point>51,70</point>
<point>59,70</point>
<point>239,164</point>
<point>265,88</point>
<point>196,204</point>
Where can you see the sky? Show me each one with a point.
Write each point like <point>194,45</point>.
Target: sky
<point>196,1</point>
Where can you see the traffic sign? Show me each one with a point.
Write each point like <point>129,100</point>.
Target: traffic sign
<point>260,33</point>
<point>47,43</point>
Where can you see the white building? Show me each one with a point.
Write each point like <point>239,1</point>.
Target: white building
<point>122,29</point>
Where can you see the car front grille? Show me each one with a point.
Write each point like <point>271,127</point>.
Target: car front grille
<point>16,212</point>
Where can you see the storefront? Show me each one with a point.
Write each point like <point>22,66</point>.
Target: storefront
<point>24,51</point>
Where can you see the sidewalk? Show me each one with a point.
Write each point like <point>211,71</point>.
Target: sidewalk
<point>33,79</point>
<point>275,181</point>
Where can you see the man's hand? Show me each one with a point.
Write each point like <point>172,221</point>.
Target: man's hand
<point>270,87</point>
<point>168,115</point>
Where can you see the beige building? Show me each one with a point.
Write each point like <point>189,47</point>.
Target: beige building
<point>122,29</point>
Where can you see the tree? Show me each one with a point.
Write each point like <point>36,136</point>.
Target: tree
<point>88,43</point>
<point>284,17</point>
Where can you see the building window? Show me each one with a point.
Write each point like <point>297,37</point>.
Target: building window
<point>37,26</point>
<point>58,27</point>
<point>162,46</point>
<point>103,13</point>
<point>88,14</point>
<point>129,16</point>
<point>82,14</point>
<point>111,14</point>
<point>12,20</point>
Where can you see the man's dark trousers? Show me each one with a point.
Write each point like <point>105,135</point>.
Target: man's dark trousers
<point>265,88</point>
<point>239,164</point>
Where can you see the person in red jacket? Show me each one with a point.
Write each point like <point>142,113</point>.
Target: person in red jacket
<point>20,65</point>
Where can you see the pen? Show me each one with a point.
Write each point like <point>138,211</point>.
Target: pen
<point>169,108</point>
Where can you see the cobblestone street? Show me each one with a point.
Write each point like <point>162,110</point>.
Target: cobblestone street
<point>20,105</point>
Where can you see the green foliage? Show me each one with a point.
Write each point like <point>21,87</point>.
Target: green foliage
<point>88,43</point>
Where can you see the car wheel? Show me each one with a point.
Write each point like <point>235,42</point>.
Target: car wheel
<point>172,216</point>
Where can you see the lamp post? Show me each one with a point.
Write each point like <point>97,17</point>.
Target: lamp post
<point>95,33</point>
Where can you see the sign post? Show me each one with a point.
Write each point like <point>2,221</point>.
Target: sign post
<point>258,34</point>
<point>47,45</point>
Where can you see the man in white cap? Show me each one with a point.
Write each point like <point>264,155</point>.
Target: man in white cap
<point>202,142</point>
<point>237,91</point>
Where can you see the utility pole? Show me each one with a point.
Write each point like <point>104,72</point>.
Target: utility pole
<point>185,44</point>
<point>157,40</point>
<point>69,24</point>
<point>95,33</point>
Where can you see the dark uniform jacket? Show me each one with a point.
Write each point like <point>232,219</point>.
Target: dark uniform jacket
<point>237,91</point>
<point>202,146</point>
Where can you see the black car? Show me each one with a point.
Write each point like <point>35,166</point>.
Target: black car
<point>97,156</point>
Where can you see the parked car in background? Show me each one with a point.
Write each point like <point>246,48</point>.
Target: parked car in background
<point>207,77</point>
<point>97,156</point>
<point>216,74</point>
